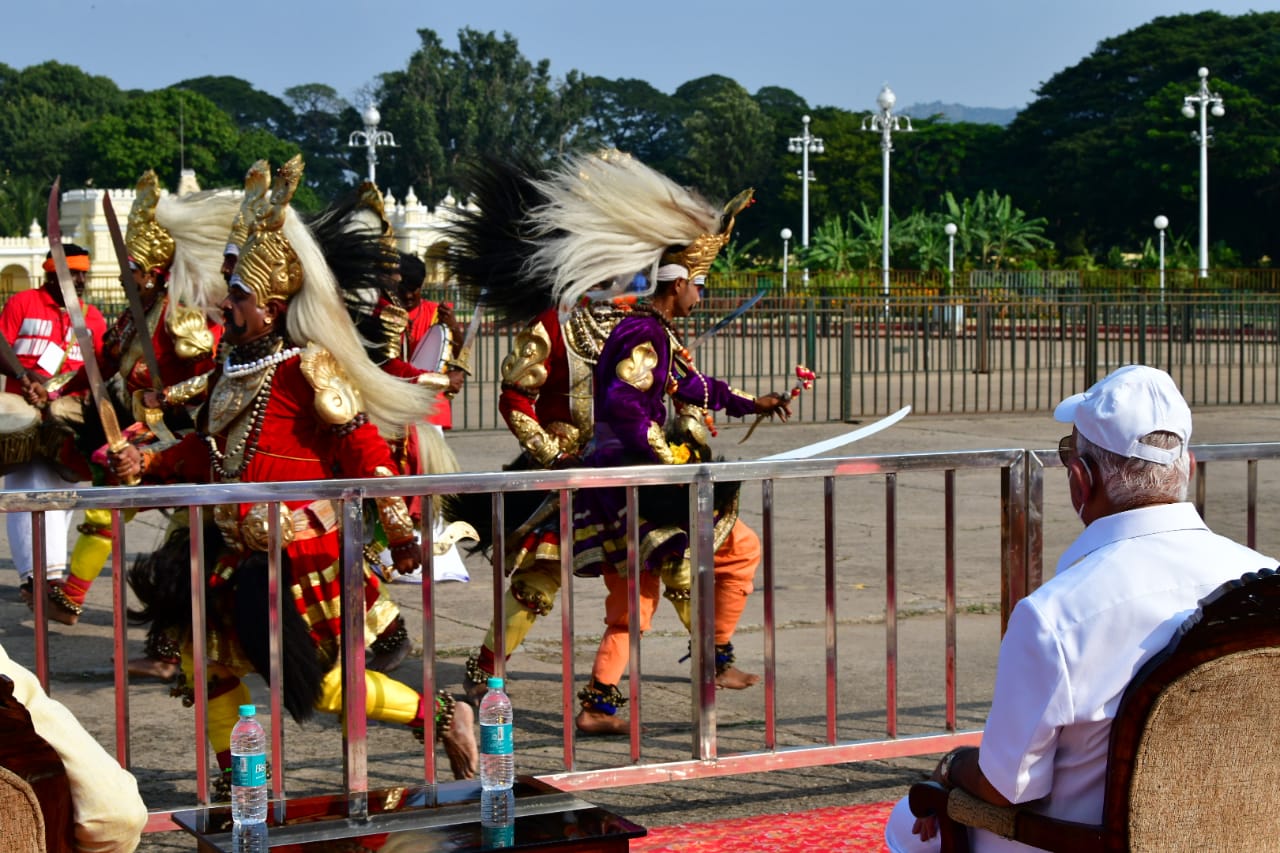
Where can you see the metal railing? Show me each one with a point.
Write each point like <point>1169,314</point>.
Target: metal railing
<point>1020,556</point>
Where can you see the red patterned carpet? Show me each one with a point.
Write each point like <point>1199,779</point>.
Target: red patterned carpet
<point>816,831</point>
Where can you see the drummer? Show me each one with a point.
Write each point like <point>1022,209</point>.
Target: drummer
<point>35,322</point>
<point>428,355</point>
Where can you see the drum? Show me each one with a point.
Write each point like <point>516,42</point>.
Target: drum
<point>435,348</point>
<point>19,431</point>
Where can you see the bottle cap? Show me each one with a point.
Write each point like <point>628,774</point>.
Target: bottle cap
<point>495,683</point>
<point>248,710</point>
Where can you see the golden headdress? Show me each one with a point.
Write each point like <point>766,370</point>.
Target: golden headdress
<point>268,265</point>
<point>256,183</point>
<point>607,216</point>
<point>371,200</point>
<point>150,246</point>
<point>698,256</point>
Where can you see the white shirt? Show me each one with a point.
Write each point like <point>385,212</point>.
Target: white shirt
<point>109,814</point>
<point>1072,646</point>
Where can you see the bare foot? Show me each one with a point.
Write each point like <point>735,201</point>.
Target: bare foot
<point>735,679</point>
<point>161,670</point>
<point>600,723</point>
<point>460,742</point>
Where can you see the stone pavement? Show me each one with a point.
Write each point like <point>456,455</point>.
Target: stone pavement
<point>163,750</point>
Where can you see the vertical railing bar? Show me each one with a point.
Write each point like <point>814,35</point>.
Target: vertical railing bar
<point>355,745</point>
<point>119,638</point>
<point>1251,509</point>
<point>275,637</point>
<point>891,603</point>
<point>949,583</point>
<point>770,618</point>
<point>829,588</point>
<point>199,663</point>
<point>568,700</point>
<point>496,592</point>
<point>426,535</point>
<point>702,607</point>
<point>633,620</point>
<point>40,597</point>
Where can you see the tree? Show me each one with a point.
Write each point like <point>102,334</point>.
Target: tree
<point>485,98</point>
<point>247,106</point>
<point>1103,148</point>
<point>729,139</point>
<point>321,124</point>
<point>44,109</point>
<point>633,116</point>
<point>163,130</point>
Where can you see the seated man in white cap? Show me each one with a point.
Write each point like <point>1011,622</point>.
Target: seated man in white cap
<point>1142,564</point>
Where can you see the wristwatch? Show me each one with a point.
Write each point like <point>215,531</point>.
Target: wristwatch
<point>944,767</point>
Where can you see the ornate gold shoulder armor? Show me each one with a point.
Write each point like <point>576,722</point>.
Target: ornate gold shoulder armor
<point>637,369</point>
<point>525,367</point>
<point>190,332</point>
<point>337,400</point>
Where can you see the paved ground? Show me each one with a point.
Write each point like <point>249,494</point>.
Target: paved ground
<point>162,740</point>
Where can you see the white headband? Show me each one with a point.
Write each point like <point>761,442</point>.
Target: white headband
<point>671,272</point>
<point>232,249</point>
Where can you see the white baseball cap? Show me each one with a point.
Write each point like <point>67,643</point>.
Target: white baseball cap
<point>1126,406</point>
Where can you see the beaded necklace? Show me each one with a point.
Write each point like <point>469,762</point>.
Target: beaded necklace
<point>247,447</point>
<point>679,352</point>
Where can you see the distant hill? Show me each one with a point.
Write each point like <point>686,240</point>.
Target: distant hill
<point>959,112</point>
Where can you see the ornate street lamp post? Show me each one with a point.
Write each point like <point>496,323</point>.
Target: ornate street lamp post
<point>805,144</point>
<point>1207,102</point>
<point>954,312</point>
<point>885,123</point>
<point>786,238</point>
<point>1161,223</point>
<point>371,138</point>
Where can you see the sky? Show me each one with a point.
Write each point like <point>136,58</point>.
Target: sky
<point>980,53</point>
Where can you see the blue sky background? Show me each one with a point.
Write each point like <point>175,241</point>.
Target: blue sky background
<point>982,53</point>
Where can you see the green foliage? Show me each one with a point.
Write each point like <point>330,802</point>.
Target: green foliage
<point>485,98</point>
<point>729,137</point>
<point>1104,147</point>
<point>162,130</point>
<point>735,257</point>
<point>22,200</point>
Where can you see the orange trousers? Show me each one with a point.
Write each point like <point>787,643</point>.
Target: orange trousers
<point>735,569</point>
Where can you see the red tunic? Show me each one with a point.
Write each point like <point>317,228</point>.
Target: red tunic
<point>293,445</point>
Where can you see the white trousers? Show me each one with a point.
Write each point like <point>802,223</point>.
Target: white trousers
<point>898,836</point>
<point>37,475</point>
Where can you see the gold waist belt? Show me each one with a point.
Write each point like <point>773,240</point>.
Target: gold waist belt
<point>250,533</point>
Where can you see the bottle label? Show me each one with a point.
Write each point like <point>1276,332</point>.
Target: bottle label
<point>495,739</point>
<point>248,771</point>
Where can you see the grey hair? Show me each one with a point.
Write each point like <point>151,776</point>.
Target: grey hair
<point>1130,483</point>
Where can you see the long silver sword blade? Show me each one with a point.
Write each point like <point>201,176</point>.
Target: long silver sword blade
<point>828,444</point>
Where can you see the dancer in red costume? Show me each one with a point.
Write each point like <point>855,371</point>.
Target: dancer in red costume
<point>283,406</point>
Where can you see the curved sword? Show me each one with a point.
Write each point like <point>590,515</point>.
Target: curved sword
<point>131,291</point>
<point>810,450</point>
<point>728,318</point>
<point>71,301</point>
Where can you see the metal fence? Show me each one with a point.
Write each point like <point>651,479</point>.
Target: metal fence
<point>1020,520</point>
<point>1005,341</point>
<point>969,354</point>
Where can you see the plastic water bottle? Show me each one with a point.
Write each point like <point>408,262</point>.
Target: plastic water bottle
<point>498,818</point>
<point>248,769</point>
<point>497,761</point>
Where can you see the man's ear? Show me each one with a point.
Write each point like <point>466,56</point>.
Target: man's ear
<point>274,310</point>
<point>1079,481</point>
